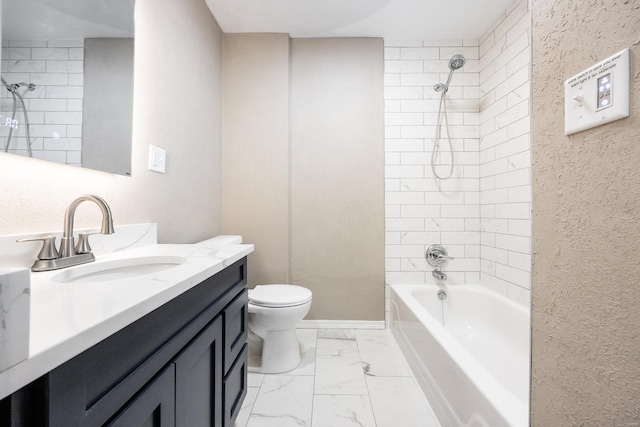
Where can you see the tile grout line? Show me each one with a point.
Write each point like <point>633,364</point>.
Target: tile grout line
<point>373,412</point>
<point>315,368</point>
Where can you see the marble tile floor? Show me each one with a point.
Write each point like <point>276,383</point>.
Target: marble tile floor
<point>346,378</point>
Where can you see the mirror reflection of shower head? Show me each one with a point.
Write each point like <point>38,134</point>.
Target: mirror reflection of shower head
<point>14,87</point>
<point>456,62</point>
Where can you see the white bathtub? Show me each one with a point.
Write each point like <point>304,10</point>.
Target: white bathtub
<point>470,352</point>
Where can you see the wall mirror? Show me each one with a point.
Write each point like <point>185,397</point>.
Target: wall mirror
<point>67,81</point>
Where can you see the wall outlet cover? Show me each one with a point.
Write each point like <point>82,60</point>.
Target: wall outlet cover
<point>598,95</point>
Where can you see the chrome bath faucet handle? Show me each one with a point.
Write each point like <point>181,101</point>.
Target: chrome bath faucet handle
<point>437,255</point>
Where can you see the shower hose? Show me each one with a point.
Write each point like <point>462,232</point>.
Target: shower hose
<point>442,108</point>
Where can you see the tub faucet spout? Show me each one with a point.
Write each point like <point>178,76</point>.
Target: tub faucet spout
<point>439,275</point>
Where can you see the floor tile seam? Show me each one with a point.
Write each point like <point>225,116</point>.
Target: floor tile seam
<point>253,404</point>
<point>409,375</point>
<point>373,411</point>
<point>390,376</point>
<point>390,344</point>
<point>315,372</point>
<point>366,383</point>
<point>353,395</point>
<point>341,394</point>
<point>256,397</point>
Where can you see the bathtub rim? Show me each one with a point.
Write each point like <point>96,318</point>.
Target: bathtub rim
<point>514,411</point>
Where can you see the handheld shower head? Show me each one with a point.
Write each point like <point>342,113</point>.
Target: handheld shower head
<point>457,61</point>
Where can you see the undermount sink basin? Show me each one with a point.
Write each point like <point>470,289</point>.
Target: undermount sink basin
<point>118,269</point>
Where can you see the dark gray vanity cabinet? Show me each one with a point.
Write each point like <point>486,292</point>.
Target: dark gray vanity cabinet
<point>154,406</point>
<point>199,378</point>
<point>182,365</point>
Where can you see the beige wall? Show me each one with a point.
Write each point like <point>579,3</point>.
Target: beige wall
<point>303,166</point>
<point>255,166</point>
<point>586,233</point>
<point>337,176</point>
<point>176,107</point>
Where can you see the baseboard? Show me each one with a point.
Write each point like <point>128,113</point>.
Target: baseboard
<point>341,324</point>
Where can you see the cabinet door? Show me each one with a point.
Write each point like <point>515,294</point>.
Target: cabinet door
<point>199,379</point>
<point>154,406</point>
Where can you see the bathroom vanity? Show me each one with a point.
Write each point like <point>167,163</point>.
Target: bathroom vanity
<point>181,362</point>
<point>184,364</point>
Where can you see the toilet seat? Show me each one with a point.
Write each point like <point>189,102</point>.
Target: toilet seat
<point>275,296</point>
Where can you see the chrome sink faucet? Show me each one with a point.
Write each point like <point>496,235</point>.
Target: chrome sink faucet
<point>67,248</point>
<point>71,254</point>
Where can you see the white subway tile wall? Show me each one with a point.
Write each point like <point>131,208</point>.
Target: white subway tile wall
<point>505,156</point>
<point>482,215</point>
<point>54,107</point>
<point>420,210</point>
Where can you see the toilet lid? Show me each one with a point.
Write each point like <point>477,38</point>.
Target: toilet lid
<point>279,295</point>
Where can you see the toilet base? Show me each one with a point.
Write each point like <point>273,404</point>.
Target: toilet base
<point>280,352</point>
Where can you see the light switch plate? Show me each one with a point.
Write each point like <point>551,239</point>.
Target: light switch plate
<point>598,95</point>
<point>157,159</point>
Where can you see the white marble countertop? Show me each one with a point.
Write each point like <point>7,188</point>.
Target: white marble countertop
<point>68,318</point>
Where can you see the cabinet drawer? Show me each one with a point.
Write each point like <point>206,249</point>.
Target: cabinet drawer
<point>235,387</point>
<point>235,328</point>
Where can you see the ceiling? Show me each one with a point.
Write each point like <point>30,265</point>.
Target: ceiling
<point>66,19</point>
<point>419,19</point>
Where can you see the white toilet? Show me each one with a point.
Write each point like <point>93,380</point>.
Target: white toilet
<point>274,311</point>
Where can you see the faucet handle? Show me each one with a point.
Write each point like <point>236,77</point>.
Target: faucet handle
<point>48,250</point>
<point>437,255</point>
<point>83,247</point>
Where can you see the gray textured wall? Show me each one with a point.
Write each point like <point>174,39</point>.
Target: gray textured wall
<point>586,226</point>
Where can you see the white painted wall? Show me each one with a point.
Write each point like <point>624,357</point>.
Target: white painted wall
<point>177,57</point>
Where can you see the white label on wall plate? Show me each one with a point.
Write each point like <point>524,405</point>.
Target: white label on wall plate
<point>598,95</point>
